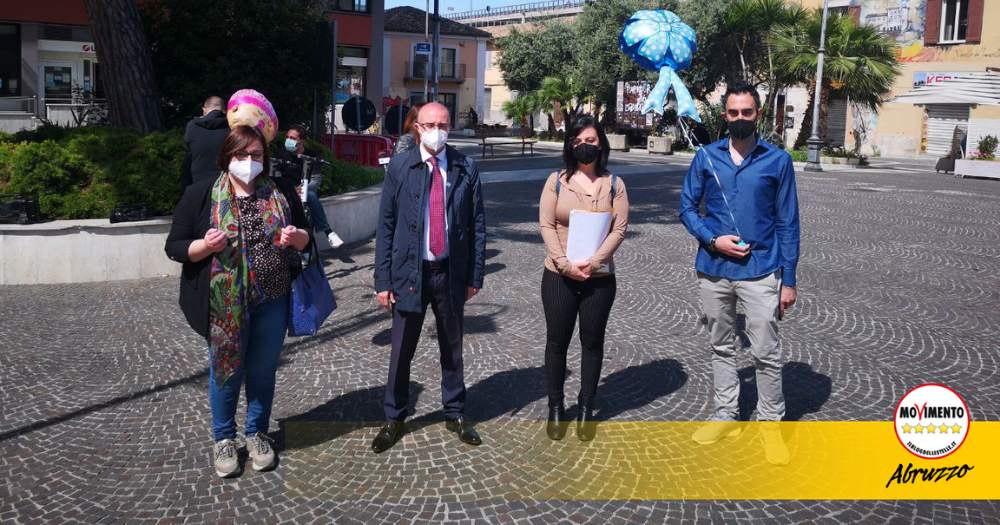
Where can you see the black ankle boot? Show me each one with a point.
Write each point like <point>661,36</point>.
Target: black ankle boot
<point>556,427</point>
<point>586,427</point>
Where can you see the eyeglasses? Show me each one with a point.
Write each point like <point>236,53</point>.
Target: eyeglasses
<point>747,112</point>
<point>431,126</point>
<point>242,155</point>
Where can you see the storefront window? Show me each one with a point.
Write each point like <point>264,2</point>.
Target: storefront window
<point>350,74</point>
<point>10,60</point>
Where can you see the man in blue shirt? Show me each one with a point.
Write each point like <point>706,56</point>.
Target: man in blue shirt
<point>749,248</point>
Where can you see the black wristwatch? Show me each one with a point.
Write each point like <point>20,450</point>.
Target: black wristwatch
<point>711,243</point>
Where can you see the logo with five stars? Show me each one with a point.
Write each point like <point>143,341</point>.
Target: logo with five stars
<point>932,421</point>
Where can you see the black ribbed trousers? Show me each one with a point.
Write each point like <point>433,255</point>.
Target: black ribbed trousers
<point>563,300</point>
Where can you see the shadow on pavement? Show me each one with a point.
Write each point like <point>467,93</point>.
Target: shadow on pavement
<point>806,391</point>
<point>337,417</point>
<point>505,393</point>
<point>638,386</point>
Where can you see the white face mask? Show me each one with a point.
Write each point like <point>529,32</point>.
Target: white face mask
<point>434,139</point>
<point>245,170</point>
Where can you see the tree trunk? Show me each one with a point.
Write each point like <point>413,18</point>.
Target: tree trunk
<point>126,67</point>
<point>806,130</point>
<point>768,116</point>
<point>552,124</point>
<point>824,109</point>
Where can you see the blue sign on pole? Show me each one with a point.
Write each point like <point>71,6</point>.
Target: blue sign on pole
<point>423,48</point>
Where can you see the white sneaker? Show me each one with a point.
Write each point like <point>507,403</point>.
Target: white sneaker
<point>226,461</point>
<point>335,240</point>
<point>259,447</point>
<point>774,445</point>
<point>719,426</point>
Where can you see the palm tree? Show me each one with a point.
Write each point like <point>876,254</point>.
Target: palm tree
<point>565,92</point>
<point>751,24</point>
<point>860,65</point>
<point>522,110</point>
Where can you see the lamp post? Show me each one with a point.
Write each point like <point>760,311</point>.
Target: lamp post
<point>436,53</point>
<point>814,142</point>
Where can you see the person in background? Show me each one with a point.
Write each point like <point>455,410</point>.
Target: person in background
<point>238,238</point>
<point>289,156</point>
<point>579,289</point>
<point>204,136</point>
<point>409,139</point>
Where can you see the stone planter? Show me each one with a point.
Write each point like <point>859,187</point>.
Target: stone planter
<point>94,250</point>
<point>618,142</point>
<point>661,145</point>
<point>840,160</point>
<point>989,169</point>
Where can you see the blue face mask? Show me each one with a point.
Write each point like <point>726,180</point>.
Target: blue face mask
<point>291,145</point>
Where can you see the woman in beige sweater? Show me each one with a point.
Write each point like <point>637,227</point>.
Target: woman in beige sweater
<point>584,289</point>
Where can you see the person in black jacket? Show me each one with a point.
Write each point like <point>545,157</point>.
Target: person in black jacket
<point>239,239</point>
<point>430,251</point>
<point>204,136</point>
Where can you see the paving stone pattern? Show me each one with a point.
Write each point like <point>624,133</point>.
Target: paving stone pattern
<point>103,387</point>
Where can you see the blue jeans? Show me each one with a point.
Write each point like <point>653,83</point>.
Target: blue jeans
<point>262,343</point>
<point>319,222</point>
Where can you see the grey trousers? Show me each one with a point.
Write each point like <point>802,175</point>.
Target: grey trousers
<point>759,298</point>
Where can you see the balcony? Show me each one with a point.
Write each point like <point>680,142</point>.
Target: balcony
<point>449,72</point>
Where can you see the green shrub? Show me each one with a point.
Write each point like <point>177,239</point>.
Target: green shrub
<point>987,147</point>
<point>85,172</point>
<point>799,155</point>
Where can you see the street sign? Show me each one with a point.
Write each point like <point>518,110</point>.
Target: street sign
<point>423,48</point>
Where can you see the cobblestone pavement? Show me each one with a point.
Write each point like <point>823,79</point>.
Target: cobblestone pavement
<point>103,412</point>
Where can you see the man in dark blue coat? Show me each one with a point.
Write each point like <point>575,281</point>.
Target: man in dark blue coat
<point>430,250</point>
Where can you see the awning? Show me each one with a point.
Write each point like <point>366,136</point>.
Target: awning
<point>976,88</point>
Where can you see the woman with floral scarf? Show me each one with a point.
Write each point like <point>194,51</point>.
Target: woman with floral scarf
<point>239,239</point>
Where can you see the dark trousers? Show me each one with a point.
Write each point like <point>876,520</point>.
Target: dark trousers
<point>405,335</point>
<point>563,300</point>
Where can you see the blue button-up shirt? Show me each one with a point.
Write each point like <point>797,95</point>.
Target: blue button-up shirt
<point>762,196</point>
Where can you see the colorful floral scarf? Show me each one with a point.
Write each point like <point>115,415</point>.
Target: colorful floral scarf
<point>233,289</point>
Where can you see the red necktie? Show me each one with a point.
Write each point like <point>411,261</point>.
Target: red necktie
<point>437,210</point>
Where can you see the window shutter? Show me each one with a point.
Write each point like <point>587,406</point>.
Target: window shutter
<point>932,27</point>
<point>974,32</point>
<point>854,12</point>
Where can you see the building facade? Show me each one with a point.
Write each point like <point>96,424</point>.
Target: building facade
<point>938,39</point>
<point>48,58</point>
<point>498,23</point>
<point>461,67</point>
<point>45,54</point>
<point>359,35</point>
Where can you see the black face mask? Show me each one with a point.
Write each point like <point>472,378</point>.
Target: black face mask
<point>586,153</point>
<point>742,129</point>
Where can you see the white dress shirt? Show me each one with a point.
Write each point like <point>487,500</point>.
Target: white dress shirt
<point>443,173</point>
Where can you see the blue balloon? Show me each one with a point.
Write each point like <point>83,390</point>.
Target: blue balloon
<point>659,41</point>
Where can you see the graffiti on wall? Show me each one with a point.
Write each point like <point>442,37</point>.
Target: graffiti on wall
<point>902,20</point>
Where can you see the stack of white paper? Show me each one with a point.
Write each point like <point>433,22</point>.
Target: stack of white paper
<point>587,231</point>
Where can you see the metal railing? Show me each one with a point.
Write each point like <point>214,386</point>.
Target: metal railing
<point>449,72</point>
<point>19,104</point>
<point>549,5</point>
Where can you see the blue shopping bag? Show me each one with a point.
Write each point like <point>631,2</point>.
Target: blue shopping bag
<point>312,298</point>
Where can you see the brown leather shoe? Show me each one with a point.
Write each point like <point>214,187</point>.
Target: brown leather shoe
<point>388,436</point>
<point>465,431</point>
